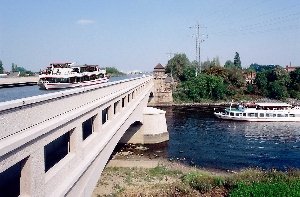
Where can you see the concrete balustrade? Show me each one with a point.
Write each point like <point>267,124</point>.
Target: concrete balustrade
<point>79,126</point>
<point>19,115</point>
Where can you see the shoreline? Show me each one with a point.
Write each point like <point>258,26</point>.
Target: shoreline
<point>119,172</point>
<point>291,101</point>
<point>137,155</point>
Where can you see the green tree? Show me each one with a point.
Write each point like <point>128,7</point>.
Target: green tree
<point>261,81</point>
<point>206,64</point>
<point>204,87</point>
<point>177,65</point>
<point>216,61</point>
<point>294,86</point>
<point>236,77</point>
<point>237,61</point>
<point>189,72</point>
<point>1,68</point>
<point>12,67</point>
<point>280,75</point>
<point>228,63</point>
<point>217,71</point>
<point>295,80</point>
<point>112,71</point>
<point>259,68</point>
<point>277,91</point>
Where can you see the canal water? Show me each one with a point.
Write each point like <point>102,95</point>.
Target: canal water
<point>7,94</point>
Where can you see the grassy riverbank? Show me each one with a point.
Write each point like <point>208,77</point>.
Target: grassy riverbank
<point>177,179</point>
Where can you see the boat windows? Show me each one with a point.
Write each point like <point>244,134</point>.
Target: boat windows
<point>280,115</point>
<point>78,79</point>
<point>86,78</point>
<point>244,114</point>
<point>253,114</point>
<point>231,114</point>
<point>72,79</point>
<point>261,115</point>
<point>101,75</point>
<point>56,80</point>
<point>274,115</point>
<point>292,115</point>
<point>64,80</point>
<point>93,77</point>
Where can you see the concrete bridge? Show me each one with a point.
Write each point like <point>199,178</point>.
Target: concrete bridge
<point>58,144</point>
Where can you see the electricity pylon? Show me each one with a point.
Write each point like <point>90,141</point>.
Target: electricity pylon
<point>198,41</point>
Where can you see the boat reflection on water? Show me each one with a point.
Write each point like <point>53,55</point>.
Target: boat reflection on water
<point>199,138</point>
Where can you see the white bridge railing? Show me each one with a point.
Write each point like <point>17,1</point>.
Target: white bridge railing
<point>19,115</point>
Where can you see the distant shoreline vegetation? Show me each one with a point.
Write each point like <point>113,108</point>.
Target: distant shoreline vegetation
<point>113,72</point>
<point>211,82</point>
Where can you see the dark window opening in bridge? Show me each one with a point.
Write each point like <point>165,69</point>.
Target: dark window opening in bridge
<point>132,95</point>
<point>88,127</point>
<point>128,98</point>
<point>116,107</point>
<point>123,102</point>
<point>10,181</point>
<point>56,150</point>
<point>104,115</point>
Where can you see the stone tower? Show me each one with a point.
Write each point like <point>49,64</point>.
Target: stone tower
<point>162,90</point>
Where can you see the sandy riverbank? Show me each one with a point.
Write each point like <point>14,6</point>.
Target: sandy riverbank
<point>126,173</point>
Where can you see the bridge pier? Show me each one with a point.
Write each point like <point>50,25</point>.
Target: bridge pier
<point>153,129</point>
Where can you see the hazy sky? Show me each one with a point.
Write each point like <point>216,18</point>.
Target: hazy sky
<point>139,34</point>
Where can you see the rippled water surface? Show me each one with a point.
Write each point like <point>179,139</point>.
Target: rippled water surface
<point>197,137</point>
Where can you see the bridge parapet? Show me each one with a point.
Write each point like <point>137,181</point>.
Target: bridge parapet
<point>22,114</point>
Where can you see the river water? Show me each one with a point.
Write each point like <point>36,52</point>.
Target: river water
<point>198,138</point>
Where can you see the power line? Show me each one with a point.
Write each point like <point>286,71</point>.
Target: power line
<point>259,25</point>
<point>238,11</point>
<point>198,41</point>
<point>222,8</point>
<point>251,18</point>
<point>263,31</point>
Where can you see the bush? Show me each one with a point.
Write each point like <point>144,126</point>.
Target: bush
<point>278,188</point>
<point>202,182</point>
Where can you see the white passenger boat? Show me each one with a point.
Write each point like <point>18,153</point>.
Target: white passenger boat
<point>66,75</point>
<point>261,112</point>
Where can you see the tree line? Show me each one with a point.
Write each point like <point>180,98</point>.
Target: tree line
<point>216,82</point>
<point>15,68</point>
